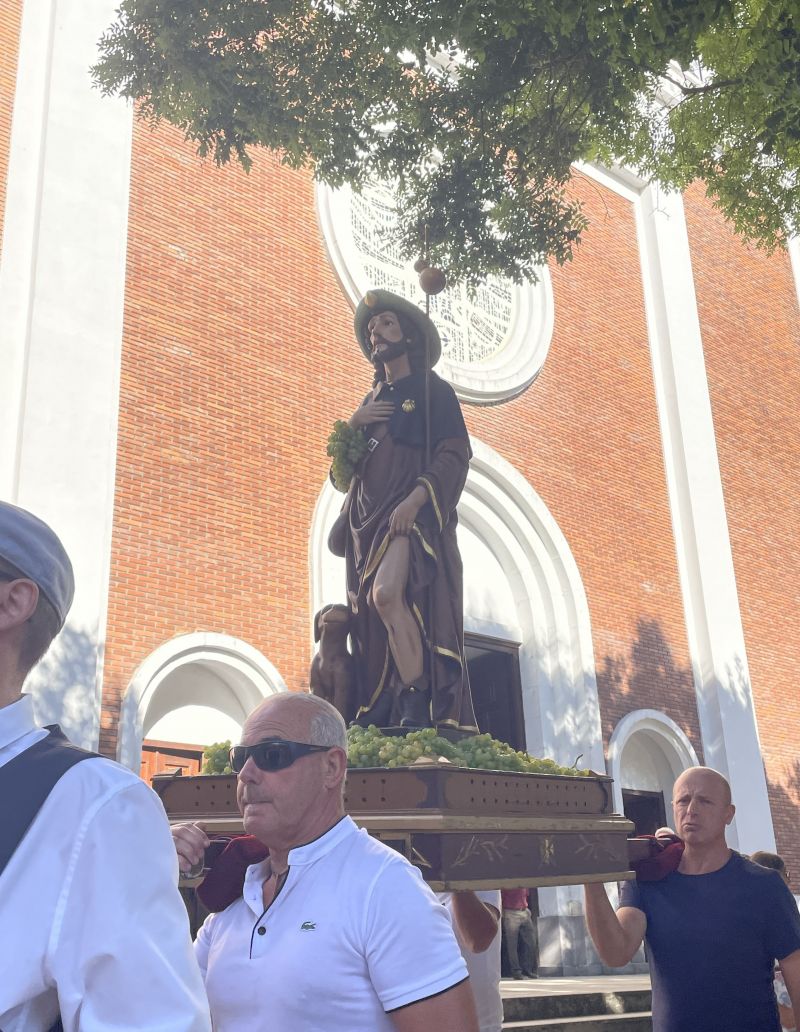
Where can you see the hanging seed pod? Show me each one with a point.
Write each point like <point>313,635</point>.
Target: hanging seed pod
<point>432,280</point>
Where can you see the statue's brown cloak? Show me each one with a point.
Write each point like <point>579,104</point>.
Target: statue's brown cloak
<point>434,592</point>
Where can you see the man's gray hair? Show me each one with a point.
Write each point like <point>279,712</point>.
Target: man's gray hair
<point>327,726</point>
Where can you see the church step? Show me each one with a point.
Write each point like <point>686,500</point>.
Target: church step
<point>638,1021</point>
<point>561,1006</point>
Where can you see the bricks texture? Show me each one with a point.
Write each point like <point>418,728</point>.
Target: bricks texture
<point>10,16</point>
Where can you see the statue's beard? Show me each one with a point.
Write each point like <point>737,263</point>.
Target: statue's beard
<point>392,350</point>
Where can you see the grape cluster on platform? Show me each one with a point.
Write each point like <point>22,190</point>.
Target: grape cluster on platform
<point>369,747</point>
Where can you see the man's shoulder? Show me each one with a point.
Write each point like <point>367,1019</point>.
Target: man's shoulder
<point>370,851</point>
<point>370,861</point>
<point>97,779</point>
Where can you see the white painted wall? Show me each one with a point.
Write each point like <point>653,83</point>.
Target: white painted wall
<point>62,278</point>
<point>794,255</point>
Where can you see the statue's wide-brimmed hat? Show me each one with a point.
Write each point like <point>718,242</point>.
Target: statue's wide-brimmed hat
<point>376,301</point>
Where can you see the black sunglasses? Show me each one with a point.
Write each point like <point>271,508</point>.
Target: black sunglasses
<point>272,754</point>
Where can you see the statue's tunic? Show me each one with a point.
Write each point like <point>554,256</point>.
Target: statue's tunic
<point>434,593</point>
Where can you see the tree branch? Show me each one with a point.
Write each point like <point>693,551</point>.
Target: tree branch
<point>689,91</point>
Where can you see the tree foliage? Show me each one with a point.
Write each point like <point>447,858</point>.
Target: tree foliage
<point>478,109</point>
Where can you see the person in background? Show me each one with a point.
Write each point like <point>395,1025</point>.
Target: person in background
<point>788,1020</point>
<point>714,925</point>
<point>476,920</point>
<point>520,916</point>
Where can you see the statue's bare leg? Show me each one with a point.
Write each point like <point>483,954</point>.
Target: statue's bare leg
<point>389,598</point>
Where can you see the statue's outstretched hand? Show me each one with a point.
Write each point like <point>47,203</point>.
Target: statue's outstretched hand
<point>371,412</point>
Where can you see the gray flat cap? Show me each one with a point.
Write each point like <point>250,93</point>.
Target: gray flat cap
<point>29,544</point>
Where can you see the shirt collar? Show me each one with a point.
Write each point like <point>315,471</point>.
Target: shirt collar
<point>16,720</point>
<point>308,853</point>
<point>301,856</point>
<point>312,851</point>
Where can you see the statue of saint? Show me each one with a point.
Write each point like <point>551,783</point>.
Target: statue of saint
<point>397,529</point>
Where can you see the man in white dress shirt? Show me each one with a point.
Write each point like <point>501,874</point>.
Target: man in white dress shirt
<point>93,926</point>
<point>334,930</point>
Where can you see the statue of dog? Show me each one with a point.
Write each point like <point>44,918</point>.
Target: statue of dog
<point>332,674</point>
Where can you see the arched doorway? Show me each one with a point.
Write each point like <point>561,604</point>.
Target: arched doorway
<point>646,753</point>
<point>198,676</point>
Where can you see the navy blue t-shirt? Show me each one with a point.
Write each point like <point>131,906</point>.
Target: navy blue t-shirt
<point>712,941</point>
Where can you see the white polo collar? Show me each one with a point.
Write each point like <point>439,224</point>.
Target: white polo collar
<point>311,851</point>
<point>16,721</point>
<point>300,856</point>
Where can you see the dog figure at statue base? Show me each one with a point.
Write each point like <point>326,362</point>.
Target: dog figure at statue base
<point>332,674</point>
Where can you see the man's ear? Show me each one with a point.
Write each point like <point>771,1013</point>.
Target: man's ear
<point>732,813</point>
<point>18,601</point>
<point>335,767</point>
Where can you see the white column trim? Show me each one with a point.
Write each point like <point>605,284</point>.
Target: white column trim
<point>715,634</point>
<point>794,257</point>
<point>62,290</point>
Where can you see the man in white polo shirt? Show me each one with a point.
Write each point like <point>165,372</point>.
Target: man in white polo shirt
<point>334,930</point>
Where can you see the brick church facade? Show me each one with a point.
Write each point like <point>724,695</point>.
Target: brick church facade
<point>177,341</point>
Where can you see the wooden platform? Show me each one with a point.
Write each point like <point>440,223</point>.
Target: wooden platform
<point>463,828</point>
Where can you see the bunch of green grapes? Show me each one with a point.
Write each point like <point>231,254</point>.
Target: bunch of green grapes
<point>486,753</point>
<point>346,447</point>
<point>367,747</point>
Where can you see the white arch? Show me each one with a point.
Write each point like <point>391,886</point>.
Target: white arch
<point>660,732</point>
<point>227,673</point>
<point>560,703</point>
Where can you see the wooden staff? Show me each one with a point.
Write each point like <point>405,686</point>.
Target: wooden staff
<point>428,289</point>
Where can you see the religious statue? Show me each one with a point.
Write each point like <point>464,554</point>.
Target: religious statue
<point>403,458</point>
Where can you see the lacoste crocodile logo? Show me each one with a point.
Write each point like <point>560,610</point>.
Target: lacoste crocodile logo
<point>308,926</point>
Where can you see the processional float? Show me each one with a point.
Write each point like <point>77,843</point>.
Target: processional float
<point>463,827</point>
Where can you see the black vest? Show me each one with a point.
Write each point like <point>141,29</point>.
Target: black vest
<point>25,783</point>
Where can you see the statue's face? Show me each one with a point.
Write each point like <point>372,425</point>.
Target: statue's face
<point>386,337</point>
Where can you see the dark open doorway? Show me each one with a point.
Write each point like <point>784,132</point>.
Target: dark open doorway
<point>493,667</point>
<point>645,809</point>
